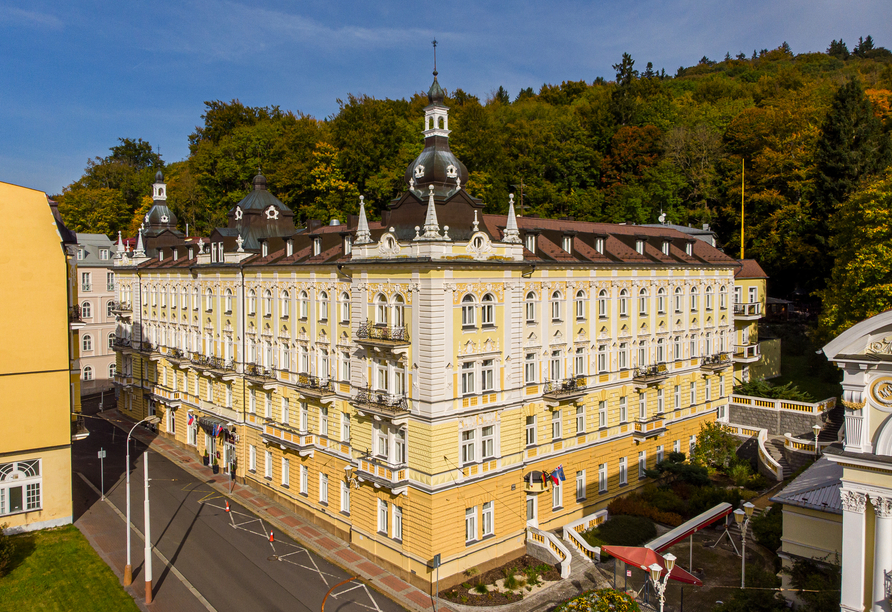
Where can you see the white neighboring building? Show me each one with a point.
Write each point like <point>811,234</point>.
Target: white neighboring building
<point>864,353</point>
<point>96,297</point>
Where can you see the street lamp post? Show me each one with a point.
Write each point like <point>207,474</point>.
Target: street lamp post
<point>817,429</point>
<point>660,585</point>
<point>128,569</point>
<point>742,517</point>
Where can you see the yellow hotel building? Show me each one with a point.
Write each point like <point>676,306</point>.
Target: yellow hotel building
<point>39,372</point>
<point>404,383</point>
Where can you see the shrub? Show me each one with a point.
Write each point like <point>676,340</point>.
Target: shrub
<point>763,388</point>
<point>7,547</point>
<point>706,497</point>
<point>481,588</point>
<point>768,527</point>
<point>819,584</point>
<point>664,499</point>
<point>623,530</point>
<point>740,473</point>
<point>604,600</point>
<point>633,505</point>
<point>715,447</point>
<point>757,482</point>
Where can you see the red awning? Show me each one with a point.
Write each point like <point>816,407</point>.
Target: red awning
<point>644,557</point>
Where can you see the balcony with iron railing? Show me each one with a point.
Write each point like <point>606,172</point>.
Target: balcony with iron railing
<point>651,375</point>
<point>748,310</point>
<point>121,308</point>
<point>747,353</point>
<point>314,385</point>
<point>380,402</point>
<point>259,372</point>
<point>121,343</point>
<point>109,286</point>
<point>75,320</point>
<point>714,363</point>
<point>147,347</point>
<point>211,362</point>
<point>381,335</point>
<point>568,388</point>
<point>86,287</point>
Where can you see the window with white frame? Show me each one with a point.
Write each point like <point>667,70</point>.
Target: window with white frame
<point>468,311</point>
<point>556,425</point>
<point>112,370</point>
<point>252,458</point>
<point>323,488</point>
<point>192,434</point>
<point>304,480</point>
<point>676,446</point>
<point>467,378</point>
<point>677,397</point>
<point>487,519</point>
<point>624,303</point>
<point>345,308</point>
<point>208,300</point>
<point>695,299</point>
<point>323,421</point>
<point>580,485</point>
<point>487,375</point>
<point>304,417</point>
<point>693,393</point>
<point>661,351</point>
<point>530,307</point>
<point>642,464</point>
<point>268,466</point>
<point>487,442</point>
<point>623,356</point>
<point>557,495</point>
<point>286,472</point>
<point>382,516</point>
<point>580,305</point>
<point>602,478</point>
<point>382,441</point>
<point>556,299</point>
<point>399,446</point>
<point>723,298</point>
<point>87,373</point>
<point>557,369</point>
<point>567,244</point>
<point>171,422</point>
<point>252,401</point>
<point>529,241</point>
<point>707,389</point>
<point>602,304</point>
<point>345,366</point>
<point>676,352</point>
<point>529,368</point>
<point>252,302</point>
<point>345,497</point>
<point>530,429</point>
<point>679,300</point>
<point>345,427</point>
<point>87,343</point>
<point>268,405</point>
<point>660,453</point>
<point>602,414</point>
<point>304,305</point>
<point>753,295</point>
<point>471,524</point>
<point>642,353</point>
<point>661,301</point>
<point>642,302</point>
<point>692,443</point>
<point>396,530</point>
<point>660,404</point>
<point>623,410</point>
<point>468,454</point>
<point>488,310</point>
<point>602,358</point>
<point>21,484</point>
<point>709,298</point>
<point>623,471</point>
<point>642,405</point>
<point>580,419</point>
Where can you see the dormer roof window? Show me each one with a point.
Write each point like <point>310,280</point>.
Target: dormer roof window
<point>348,244</point>
<point>160,254</point>
<point>599,244</point>
<point>191,254</point>
<point>289,248</point>
<point>175,256</point>
<point>529,242</point>
<point>567,244</point>
<point>665,247</point>
<point>689,248</point>
<point>264,249</point>
<point>317,246</point>
<point>639,245</point>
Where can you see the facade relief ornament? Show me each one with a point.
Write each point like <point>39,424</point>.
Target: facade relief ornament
<point>853,501</point>
<point>882,506</point>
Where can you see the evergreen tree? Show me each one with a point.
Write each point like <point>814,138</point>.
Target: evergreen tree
<point>838,49</point>
<point>623,98</point>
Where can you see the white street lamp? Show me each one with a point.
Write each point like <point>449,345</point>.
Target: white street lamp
<point>817,429</point>
<point>128,569</point>
<point>660,585</point>
<point>742,517</point>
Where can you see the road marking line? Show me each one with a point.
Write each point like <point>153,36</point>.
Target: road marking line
<point>367,592</point>
<point>164,559</point>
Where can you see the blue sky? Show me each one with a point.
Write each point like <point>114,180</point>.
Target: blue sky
<point>78,75</point>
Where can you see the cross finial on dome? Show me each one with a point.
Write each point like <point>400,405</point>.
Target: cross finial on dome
<point>434,43</point>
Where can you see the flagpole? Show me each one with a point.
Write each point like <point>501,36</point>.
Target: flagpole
<point>742,188</point>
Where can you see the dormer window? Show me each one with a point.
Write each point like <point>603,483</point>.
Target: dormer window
<point>213,252</point>
<point>665,247</point>
<point>567,244</point>
<point>103,253</point>
<point>175,257</point>
<point>599,245</point>
<point>317,246</point>
<point>348,244</point>
<point>289,248</point>
<point>80,254</point>
<point>639,246</point>
<point>689,249</point>
<point>530,242</point>
<point>264,249</point>
<point>160,255</point>
<point>191,254</point>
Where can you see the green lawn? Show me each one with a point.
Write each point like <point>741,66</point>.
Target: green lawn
<point>57,569</point>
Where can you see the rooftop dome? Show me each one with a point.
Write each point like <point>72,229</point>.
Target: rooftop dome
<point>435,94</point>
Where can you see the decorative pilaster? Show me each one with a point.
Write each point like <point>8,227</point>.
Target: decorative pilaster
<point>882,549</point>
<point>512,234</point>
<point>853,534</point>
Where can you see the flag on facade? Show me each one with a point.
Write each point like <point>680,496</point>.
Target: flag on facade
<point>191,420</point>
<point>558,474</point>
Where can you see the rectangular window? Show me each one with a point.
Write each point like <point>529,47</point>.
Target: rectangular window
<point>286,412</point>
<point>531,430</point>
<point>692,442</point>
<point>171,422</point>
<point>467,446</point>
<point>580,485</point>
<point>642,406</point>
<point>623,410</point>
<point>707,388</point>
<point>304,417</point>
<point>286,472</point>
<point>556,425</point>
<point>602,359</point>
<point>268,465</point>
<point>487,374</point>
<point>268,405</point>
<point>642,463</point>
<point>660,453</point>
<point>304,480</point>
<point>579,362</point>
<point>676,447</point>
<point>556,369</point>
<point>567,244</point>
<point>557,496</point>
<point>23,493</point>
<point>382,516</point>
<point>323,488</point>
<point>602,414</point>
<point>399,446</point>
<point>693,393</point>
<point>487,516</point>
<point>252,402</point>
<point>323,421</point>
<point>345,497</point>
<point>467,378</point>
<point>396,531</point>
<point>602,478</point>
<point>623,471</point>
<point>677,397</point>
<point>192,435</point>
<point>252,458</point>
<point>580,419</point>
<point>529,368</point>
<point>383,442</point>
<point>487,442</point>
<point>471,524</point>
<point>345,427</point>
<point>660,405</point>
<point>623,356</point>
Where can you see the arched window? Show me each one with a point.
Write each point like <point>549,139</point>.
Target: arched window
<point>184,298</point>
<point>556,298</point>
<point>87,343</point>
<point>695,299</point>
<point>660,351</point>
<point>380,310</point>
<point>88,373</point>
<point>87,310</point>
<point>109,306</point>
<point>530,307</point>
<point>208,300</point>
<point>468,311</point>
<point>677,350</point>
<point>195,298</point>
<point>642,354</point>
<point>708,344</point>
<point>488,310</point>
<point>345,307</point>
<point>709,298</point>
<point>602,304</point>
<point>580,305</point>
<point>723,297</point>
<point>323,306</point>
<point>622,356</point>
<point>304,305</point>
<point>624,303</point>
<point>642,302</point>
<point>284,303</point>
<point>398,311</point>
<point>252,301</point>
<point>111,341</point>
<point>679,300</point>
<point>227,301</point>
<point>661,301</point>
<point>112,370</point>
<point>267,303</point>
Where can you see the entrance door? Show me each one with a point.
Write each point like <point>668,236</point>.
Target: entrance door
<point>210,444</point>
<point>228,456</point>
<point>532,511</point>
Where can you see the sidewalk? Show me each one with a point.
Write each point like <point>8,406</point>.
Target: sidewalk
<point>319,541</point>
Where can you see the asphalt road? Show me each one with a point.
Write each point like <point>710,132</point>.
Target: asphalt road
<point>227,557</point>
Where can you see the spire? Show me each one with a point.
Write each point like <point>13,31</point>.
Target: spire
<point>363,235</point>
<point>431,225</point>
<point>512,235</point>
<point>140,249</point>
<point>119,247</point>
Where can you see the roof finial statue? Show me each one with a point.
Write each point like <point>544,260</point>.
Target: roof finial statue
<point>431,225</point>
<point>240,241</point>
<point>476,229</point>
<point>363,235</point>
<point>140,249</point>
<point>512,234</point>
